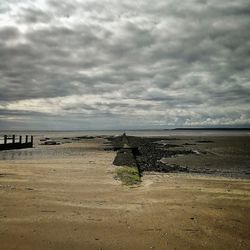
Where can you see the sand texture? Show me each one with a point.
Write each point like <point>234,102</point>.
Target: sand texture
<point>74,202</point>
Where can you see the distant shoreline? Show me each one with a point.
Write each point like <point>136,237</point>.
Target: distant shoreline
<point>118,130</point>
<point>223,129</point>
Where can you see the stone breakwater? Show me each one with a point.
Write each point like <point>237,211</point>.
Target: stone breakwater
<point>219,156</point>
<point>146,154</point>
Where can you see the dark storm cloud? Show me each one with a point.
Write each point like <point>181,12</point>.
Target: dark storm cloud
<point>19,113</point>
<point>9,33</point>
<point>169,63</point>
<point>31,16</point>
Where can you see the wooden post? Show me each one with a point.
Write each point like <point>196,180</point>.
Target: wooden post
<point>13,139</point>
<point>31,138</point>
<point>5,139</point>
<point>26,139</point>
<point>20,139</point>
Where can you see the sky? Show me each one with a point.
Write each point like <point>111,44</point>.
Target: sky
<point>122,64</point>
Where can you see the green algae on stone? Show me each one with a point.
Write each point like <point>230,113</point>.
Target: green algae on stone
<point>128,175</point>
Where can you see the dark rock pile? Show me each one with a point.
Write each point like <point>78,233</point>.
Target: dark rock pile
<point>146,154</point>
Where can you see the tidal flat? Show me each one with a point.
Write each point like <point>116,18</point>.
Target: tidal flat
<point>65,196</point>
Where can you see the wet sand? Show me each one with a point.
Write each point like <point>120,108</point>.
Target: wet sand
<point>74,202</point>
<point>221,155</point>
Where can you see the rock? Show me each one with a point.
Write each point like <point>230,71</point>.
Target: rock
<point>51,142</point>
<point>85,137</point>
<point>145,153</point>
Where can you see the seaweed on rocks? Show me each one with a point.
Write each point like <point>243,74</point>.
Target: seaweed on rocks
<point>85,137</point>
<point>146,154</point>
<point>204,141</point>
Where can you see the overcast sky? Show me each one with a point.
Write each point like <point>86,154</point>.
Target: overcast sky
<point>121,64</point>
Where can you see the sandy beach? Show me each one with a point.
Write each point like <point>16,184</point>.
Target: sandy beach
<point>124,125</point>
<point>73,201</point>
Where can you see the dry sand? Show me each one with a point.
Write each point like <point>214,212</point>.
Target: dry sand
<point>74,202</point>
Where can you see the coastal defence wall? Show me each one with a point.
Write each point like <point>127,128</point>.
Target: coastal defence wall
<point>11,142</point>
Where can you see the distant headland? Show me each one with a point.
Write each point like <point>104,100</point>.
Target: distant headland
<point>215,128</point>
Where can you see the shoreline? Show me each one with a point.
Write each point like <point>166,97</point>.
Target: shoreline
<point>209,155</point>
<point>74,202</point>
<point>218,156</point>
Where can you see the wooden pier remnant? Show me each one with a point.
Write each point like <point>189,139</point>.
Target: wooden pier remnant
<point>13,144</point>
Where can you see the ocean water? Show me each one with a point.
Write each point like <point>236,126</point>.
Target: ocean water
<point>51,152</point>
<point>148,133</point>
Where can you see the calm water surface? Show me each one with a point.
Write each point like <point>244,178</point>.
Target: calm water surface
<point>51,152</point>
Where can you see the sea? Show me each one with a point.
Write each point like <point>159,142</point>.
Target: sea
<point>144,133</point>
<point>51,152</point>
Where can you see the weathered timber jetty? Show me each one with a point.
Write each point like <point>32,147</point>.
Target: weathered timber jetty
<point>15,142</point>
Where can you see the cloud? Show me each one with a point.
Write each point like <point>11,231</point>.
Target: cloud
<point>124,63</point>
